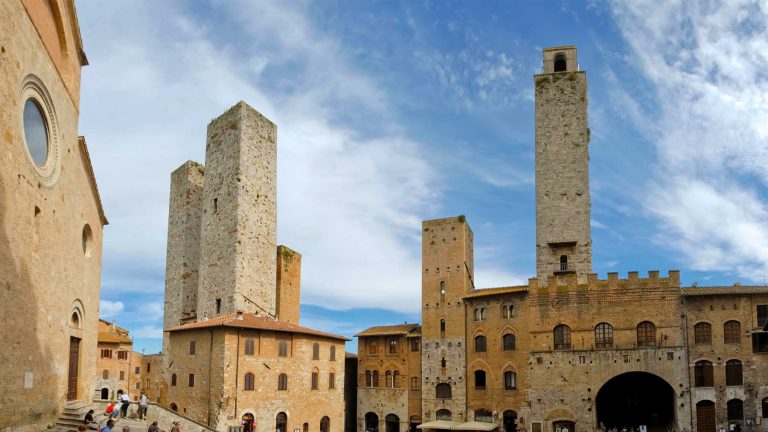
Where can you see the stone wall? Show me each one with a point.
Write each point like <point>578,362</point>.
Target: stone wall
<point>288,284</point>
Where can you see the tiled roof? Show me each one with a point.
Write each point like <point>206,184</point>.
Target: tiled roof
<point>392,330</point>
<point>496,291</point>
<point>724,290</point>
<point>254,322</point>
<point>111,337</point>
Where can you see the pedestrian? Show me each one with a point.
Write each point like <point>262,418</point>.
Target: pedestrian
<point>109,426</point>
<point>732,427</point>
<point>738,427</point>
<point>125,400</point>
<point>176,427</point>
<point>88,421</point>
<point>116,409</point>
<point>143,405</point>
<point>154,427</point>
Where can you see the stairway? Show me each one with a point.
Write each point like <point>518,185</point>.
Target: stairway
<point>72,416</point>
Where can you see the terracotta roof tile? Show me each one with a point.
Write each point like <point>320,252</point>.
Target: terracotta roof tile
<point>482,292</point>
<point>253,322</point>
<point>110,337</point>
<point>724,290</point>
<point>391,330</point>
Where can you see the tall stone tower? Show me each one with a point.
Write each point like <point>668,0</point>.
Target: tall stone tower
<point>563,240</point>
<point>447,275</point>
<point>239,221</point>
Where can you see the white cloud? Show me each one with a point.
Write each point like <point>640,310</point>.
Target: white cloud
<point>108,309</point>
<point>147,332</point>
<point>708,66</point>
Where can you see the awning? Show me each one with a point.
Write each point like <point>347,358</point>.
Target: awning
<point>438,424</point>
<point>475,426</point>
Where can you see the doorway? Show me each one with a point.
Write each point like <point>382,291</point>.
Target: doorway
<point>247,422</point>
<point>510,421</point>
<point>104,393</point>
<point>74,368</point>
<point>705,416</point>
<point>633,399</point>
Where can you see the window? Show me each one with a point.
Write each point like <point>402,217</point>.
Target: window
<point>191,380</point>
<point>368,379</point>
<point>388,379</point>
<point>732,332</point>
<point>147,383</point>
<point>562,337</point>
<point>282,348</point>
<point>173,380</point>
<point>508,342</point>
<point>510,380</point>
<point>122,355</point>
<point>415,344</point>
<point>282,382</point>
<point>122,375</point>
<point>137,370</point>
<point>443,391</point>
<point>373,346</point>
<point>483,415</point>
<point>414,383</point>
<point>105,374</point>
<point>563,263</point>
<point>765,408</point>
<point>396,379</point>
<point>480,344</point>
<point>138,385</point>
<point>333,353</point>
<point>248,381</point>
<point>218,305</point>
<point>149,367</point>
<point>733,373</point>
<point>443,414</point>
<point>36,131</point>
<point>249,346</point>
<point>442,363</point>
<point>315,379</point>
<point>560,66</point>
<point>106,353</point>
<point>281,422</point>
<point>325,424</point>
<point>702,334</point>
<point>442,326</point>
<point>703,374</point>
<point>762,316</point>
<point>646,334</point>
<point>332,380</point>
<point>316,352</point>
<point>506,311</point>
<point>479,380</point>
<point>174,407</point>
<point>375,378</point>
<point>191,347</point>
<point>442,288</point>
<point>392,343</point>
<point>479,314</point>
<point>735,409</point>
<point>603,335</point>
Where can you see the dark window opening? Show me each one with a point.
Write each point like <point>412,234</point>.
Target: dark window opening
<point>316,352</point>
<point>249,347</point>
<point>703,375</point>
<point>735,409</point>
<point>282,382</point>
<point>479,380</point>
<point>646,334</point>
<point>173,380</point>
<point>191,380</point>
<point>702,334</point>
<point>563,260</point>
<point>562,337</point>
<point>760,342</point>
<point>442,326</point>
<point>443,391</point>
<point>560,64</point>
<point>508,342</point>
<point>480,344</point>
<point>191,347</point>
<point>249,381</point>
<point>510,380</point>
<point>603,335</point>
<point>218,305</point>
<point>732,332</point>
<point>762,316</point>
<point>733,373</point>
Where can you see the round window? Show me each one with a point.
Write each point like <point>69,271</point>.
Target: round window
<point>35,131</point>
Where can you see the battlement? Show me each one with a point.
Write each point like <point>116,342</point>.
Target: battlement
<point>569,282</point>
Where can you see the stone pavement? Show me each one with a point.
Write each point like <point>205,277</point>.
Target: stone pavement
<point>122,425</point>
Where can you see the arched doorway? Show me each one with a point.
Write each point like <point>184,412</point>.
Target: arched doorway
<point>414,421</point>
<point>281,422</point>
<point>510,421</point>
<point>393,423</point>
<point>371,422</point>
<point>443,414</point>
<point>563,426</point>
<point>636,398</point>
<point>705,416</point>
<point>247,422</point>
<point>104,393</point>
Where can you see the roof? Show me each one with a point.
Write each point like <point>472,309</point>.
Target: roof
<point>251,321</point>
<point>391,330</point>
<point>92,178</point>
<point>112,337</point>
<point>723,290</point>
<point>482,292</point>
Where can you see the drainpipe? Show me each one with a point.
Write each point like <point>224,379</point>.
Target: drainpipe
<point>210,362</point>
<point>237,370</point>
<point>688,363</point>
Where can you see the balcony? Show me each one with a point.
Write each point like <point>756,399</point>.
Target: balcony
<point>565,268</point>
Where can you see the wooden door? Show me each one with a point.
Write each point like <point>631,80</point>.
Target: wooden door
<point>74,358</point>
<point>705,417</point>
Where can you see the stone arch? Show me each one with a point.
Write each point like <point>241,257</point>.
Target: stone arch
<point>478,363</point>
<point>560,63</point>
<point>636,397</point>
<point>560,414</point>
<point>77,309</point>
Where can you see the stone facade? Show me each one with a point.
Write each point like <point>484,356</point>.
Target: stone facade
<point>116,363</point>
<point>288,284</point>
<point>152,380</point>
<point>51,218</point>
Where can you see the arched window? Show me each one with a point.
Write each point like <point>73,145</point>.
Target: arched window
<point>479,380</point>
<point>333,353</point>
<point>510,380</point>
<point>388,380</point>
<point>560,64</point>
<point>105,374</point>
<point>174,407</point>
<point>375,378</point>
<point>282,382</point>
<point>371,422</point>
<point>393,423</point>
<point>480,343</point>
<point>443,414</point>
<point>732,332</point>
<point>508,342</point>
<point>315,379</point>
<point>281,422</point>
<point>74,320</point>
<point>442,287</point>
<point>563,260</point>
<point>483,415</point>
<point>248,381</point>
<point>443,391</point>
<point>646,334</point>
<point>396,379</point>
<point>507,311</point>
<point>702,333</point>
<point>443,363</point>
<point>305,427</point>
<point>325,424</point>
<point>368,379</point>
<point>173,380</point>
<point>603,335</point>
<point>562,337</point>
<point>703,374</point>
<point>249,346</point>
<point>332,379</point>
<point>733,374</point>
<point>316,352</point>
<point>764,405</point>
<point>509,421</point>
<point>282,348</point>
<point>735,410</point>
<point>442,325</point>
<point>479,314</point>
<point>482,314</point>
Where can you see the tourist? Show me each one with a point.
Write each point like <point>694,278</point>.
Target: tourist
<point>176,427</point>
<point>116,409</point>
<point>109,426</point>
<point>143,404</point>
<point>154,427</point>
<point>110,409</point>
<point>125,400</point>
<point>88,420</point>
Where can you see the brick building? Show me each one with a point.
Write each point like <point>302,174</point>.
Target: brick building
<point>116,363</point>
<point>569,351</point>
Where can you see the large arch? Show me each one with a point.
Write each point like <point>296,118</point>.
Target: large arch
<point>632,399</point>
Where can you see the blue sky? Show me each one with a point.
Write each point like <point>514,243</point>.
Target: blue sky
<point>390,113</point>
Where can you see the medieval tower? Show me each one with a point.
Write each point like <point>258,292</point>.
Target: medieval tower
<point>447,273</point>
<point>563,241</point>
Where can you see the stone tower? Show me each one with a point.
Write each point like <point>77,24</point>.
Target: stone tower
<point>563,240</point>
<point>239,220</point>
<point>447,275</point>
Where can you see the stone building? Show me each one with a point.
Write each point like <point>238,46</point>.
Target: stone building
<point>51,218</point>
<point>389,370</point>
<point>116,363</point>
<point>151,377</point>
<point>570,351</point>
<point>234,356</point>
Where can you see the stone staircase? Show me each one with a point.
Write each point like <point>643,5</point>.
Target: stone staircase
<point>73,414</point>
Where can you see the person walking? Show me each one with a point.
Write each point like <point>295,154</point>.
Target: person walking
<point>143,405</point>
<point>176,427</point>
<point>125,400</point>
